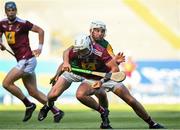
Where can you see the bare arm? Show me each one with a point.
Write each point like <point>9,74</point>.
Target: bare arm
<point>55,77</point>
<point>66,66</point>
<point>40,32</point>
<point>113,66</point>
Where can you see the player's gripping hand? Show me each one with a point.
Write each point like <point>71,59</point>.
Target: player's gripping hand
<point>2,47</point>
<point>36,52</point>
<point>53,80</point>
<point>66,67</point>
<point>97,84</point>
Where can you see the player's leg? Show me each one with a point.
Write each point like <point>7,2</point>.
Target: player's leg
<point>60,86</point>
<point>30,83</point>
<point>8,84</point>
<point>103,101</point>
<point>84,93</point>
<point>121,91</point>
<point>102,98</point>
<point>29,80</point>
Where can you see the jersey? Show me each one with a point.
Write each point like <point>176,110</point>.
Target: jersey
<point>104,43</point>
<point>17,37</point>
<point>96,61</point>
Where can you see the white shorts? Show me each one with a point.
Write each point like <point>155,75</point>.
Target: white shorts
<point>27,65</point>
<point>70,77</point>
<point>108,86</point>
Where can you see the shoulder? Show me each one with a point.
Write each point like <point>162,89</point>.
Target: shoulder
<point>23,21</point>
<point>4,20</point>
<point>104,43</point>
<point>3,24</point>
<point>98,50</point>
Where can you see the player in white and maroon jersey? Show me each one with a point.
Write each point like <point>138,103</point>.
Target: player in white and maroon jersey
<point>16,32</point>
<point>85,55</point>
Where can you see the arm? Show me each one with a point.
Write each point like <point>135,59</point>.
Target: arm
<point>2,47</point>
<point>55,77</point>
<point>40,32</point>
<point>66,66</point>
<point>119,58</point>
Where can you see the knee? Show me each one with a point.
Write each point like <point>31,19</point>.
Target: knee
<point>6,84</point>
<point>52,96</point>
<point>79,95</point>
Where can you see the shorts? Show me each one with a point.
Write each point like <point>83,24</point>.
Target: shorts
<point>70,77</point>
<point>108,86</point>
<point>27,65</point>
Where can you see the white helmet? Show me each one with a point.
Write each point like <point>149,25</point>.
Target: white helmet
<point>82,42</point>
<point>97,24</point>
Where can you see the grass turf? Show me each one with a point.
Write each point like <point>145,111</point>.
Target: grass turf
<point>80,117</point>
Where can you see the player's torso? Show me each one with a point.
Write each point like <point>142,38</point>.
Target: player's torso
<point>92,62</point>
<point>17,37</point>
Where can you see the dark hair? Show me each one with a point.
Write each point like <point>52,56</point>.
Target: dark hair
<point>10,5</point>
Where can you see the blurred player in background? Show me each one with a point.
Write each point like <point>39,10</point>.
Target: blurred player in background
<point>129,66</point>
<point>16,32</point>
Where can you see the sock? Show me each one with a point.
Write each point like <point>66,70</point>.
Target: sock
<point>150,121</point>
<point>26,102</point>
<point>101,110</point>
<point>50,104</point>
<point>54,110</point>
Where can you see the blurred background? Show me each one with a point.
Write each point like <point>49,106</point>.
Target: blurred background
<point>147,31</point>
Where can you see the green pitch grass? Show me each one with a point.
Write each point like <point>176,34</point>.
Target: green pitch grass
<point>80,117</point>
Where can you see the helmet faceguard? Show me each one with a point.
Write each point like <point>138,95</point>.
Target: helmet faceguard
<point>83,45</point>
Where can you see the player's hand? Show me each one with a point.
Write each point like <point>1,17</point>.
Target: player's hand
<point>66,67</point>
<point>97,84</point>
<point>120,58</point>
<point>2,47</point>
<point>54,79</point>
<point>36,52</point>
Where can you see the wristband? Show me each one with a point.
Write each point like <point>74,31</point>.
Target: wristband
<point>40,46</point>
<point>103,80</point>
